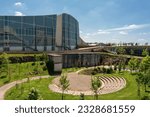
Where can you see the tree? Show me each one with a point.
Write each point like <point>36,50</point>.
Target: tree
<point>146,79</point>
<point>34,94</point>
<point>115,67</point>
<point>44,57</point>
<point>95,85</point>
<point>64,84</point>
<point>139,82</point>
<point>124,66</point>
<point>119,66</point>
<point>4,65</point>
<point>145,52</point>
<point>133,64</point>
<point>131,52</point>
<point>120,50</point>
<point>36,62</point>
<point>145,64</point>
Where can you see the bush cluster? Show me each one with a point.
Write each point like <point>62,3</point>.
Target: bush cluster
<point>21,59</point>
<point>97,70</point>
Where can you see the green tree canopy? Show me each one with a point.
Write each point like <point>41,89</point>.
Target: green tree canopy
<point>4,65</point>
<point>145,64</point>
<point>132,52</point>
<point>4,61</point>
<point>133,64</point>
<point>146,78</point>
<point>139,81</point>
<point>145,52</point>
<point>64,83</point>
<point>95,85</point>
<point>120,50</point>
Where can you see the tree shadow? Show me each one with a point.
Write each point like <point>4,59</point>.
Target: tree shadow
<point>7,81</point>
<point>3,76</point>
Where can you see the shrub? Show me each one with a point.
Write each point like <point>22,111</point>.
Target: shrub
<point>115,67</point>
<point>99,69</point>
<point>35,71</point>
<point>42,63</point>
<point>94,72</point>
<point>95,69</point>
<point>104,70</point>
<point>82,96</point>
<point>50,67</point>
<point>109,70</point>
<point>34,94</point>
<point>119,67</point>
<point>44,68</point>
<point>33,64</point>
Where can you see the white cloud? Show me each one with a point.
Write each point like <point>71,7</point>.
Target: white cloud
<point>130,27</point>
<point>102,32</point>
<point>142,40</point>
<point>119,34</point>
<point>121,30</point>
<point>144,33</point>
<point>88,34</point>
<point>17,13</point>
<point>18,4</point>
<point>123,33</point>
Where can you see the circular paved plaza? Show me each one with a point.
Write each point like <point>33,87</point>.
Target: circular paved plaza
<point>82,84</point>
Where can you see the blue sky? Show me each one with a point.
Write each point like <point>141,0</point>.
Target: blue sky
<point>100,20</point>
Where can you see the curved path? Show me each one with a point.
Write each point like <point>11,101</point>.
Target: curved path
<point>82,84</point>
<point>6,87</point>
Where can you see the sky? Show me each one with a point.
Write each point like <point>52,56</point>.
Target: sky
<point>104,21</point>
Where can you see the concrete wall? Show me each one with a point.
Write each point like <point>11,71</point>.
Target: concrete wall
<point>57,59</point>
<point>90,59</point>
<point>81,60</point>
<point>58,40</point>
<point>58,67</point>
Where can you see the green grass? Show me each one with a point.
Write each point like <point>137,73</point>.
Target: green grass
<point>25,54</point>
<point>128,93</point>
<point>26,70</point>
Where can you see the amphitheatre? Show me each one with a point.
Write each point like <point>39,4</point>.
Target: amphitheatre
<point>82,84</point>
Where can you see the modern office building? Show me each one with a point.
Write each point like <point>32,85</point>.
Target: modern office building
<point>39,33</point>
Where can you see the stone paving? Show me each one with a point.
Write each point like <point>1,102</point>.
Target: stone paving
<point>82,84</point>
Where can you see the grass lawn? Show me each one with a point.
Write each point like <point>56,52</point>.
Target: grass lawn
<point>25,54</point>
<point>128,93</point>
<point>21,71</point>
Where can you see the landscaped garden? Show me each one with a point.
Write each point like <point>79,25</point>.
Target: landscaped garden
<point>135,74</point>
<point>16,71</point>
<point>128,93</point>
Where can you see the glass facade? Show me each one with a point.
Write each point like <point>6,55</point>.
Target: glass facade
<point>70,31</point>
<point>36,33</point>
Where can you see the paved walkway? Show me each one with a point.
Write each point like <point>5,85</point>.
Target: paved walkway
<point>5,88</point>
